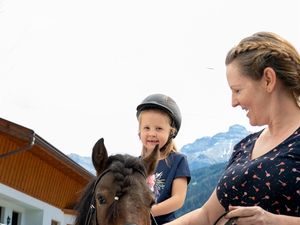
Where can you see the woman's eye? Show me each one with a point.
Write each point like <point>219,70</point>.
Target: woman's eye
<point>101,200</point>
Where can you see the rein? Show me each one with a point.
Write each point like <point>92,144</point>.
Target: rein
<point>92,208</point>
<point>229,222</point>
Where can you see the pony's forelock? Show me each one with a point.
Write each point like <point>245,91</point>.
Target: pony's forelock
<point>122,167</point>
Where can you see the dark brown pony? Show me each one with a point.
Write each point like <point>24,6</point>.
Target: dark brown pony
<point>119,195</point>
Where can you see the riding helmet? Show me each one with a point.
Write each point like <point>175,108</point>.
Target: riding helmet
<point>165,103</point>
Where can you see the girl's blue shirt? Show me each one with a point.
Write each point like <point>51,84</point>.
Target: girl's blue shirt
<point>174,166</point>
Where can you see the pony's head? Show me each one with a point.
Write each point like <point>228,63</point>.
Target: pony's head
<point>119,195</point>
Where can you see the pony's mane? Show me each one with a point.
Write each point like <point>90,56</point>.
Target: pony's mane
<point>122,166</point>
<point>83,205</point>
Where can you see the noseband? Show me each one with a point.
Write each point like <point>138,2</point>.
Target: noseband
<point>92,207</point>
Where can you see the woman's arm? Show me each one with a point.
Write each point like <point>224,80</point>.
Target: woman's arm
<point>259,216</point>
<point>205,215</point>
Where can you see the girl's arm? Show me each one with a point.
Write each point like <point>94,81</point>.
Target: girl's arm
<point>175,202</point>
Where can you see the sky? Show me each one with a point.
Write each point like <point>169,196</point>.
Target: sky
<point>75,70</point>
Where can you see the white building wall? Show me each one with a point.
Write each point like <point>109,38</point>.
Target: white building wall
<point>32,210</point>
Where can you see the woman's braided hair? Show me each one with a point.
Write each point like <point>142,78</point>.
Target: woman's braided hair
<point>265,49</point>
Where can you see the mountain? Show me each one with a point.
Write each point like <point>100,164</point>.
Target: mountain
<point>208,151</point>
<point>207,157</point>
<point>84,161</point>
<point>203,152</point>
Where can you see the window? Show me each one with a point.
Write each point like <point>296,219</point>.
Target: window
<point>53,222</point>
<point>16,218</point>
<point>1,214</point>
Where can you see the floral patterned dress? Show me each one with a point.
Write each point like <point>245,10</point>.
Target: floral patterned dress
<point>271,181</point>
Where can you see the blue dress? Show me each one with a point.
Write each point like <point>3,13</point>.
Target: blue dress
<point>174,166</point>
<point>271,181</point>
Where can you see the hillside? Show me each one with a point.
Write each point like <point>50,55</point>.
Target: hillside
<point>207,151</point>
<point>201,186</point>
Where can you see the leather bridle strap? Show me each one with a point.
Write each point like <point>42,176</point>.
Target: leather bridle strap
<point>153,218</point>
<point>92,208</point>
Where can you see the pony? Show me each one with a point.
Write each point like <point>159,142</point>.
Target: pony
<point>119,194</point>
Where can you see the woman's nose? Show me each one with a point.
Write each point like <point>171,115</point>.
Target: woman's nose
<point>234,101</point>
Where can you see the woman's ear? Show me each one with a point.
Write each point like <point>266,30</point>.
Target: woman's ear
<point>269,78</point>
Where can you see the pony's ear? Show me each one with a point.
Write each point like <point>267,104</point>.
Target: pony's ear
<point>99,156</point>
<point>151,160</point>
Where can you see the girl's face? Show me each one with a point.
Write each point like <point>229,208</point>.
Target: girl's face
<point>249,94</point>
<point>154,128</point>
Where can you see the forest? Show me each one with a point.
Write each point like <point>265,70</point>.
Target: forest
<point>203,181</point>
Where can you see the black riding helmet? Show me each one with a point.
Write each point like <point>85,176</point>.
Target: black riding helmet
<point>165,103</point>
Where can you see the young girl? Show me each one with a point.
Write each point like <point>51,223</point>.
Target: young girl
<point>159,122</point>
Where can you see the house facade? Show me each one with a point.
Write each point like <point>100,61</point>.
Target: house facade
<point>39,185</point>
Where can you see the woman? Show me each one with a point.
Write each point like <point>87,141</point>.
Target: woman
<point>261,183</point>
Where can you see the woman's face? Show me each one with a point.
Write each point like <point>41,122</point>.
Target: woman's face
<point>154,128</point>
<point>249,94</point>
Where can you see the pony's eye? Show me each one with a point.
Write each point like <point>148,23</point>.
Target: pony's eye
<point>101,200</point>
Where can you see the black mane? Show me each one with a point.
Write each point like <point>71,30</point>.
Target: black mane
<point>122,166</point>
<point>83,205</point>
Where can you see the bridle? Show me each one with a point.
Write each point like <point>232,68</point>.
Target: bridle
<point>92,208</point>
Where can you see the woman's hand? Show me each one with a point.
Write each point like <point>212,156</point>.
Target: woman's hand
<point>252,215</point>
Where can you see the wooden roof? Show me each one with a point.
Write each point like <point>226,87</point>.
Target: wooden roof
<point>31,165</point>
